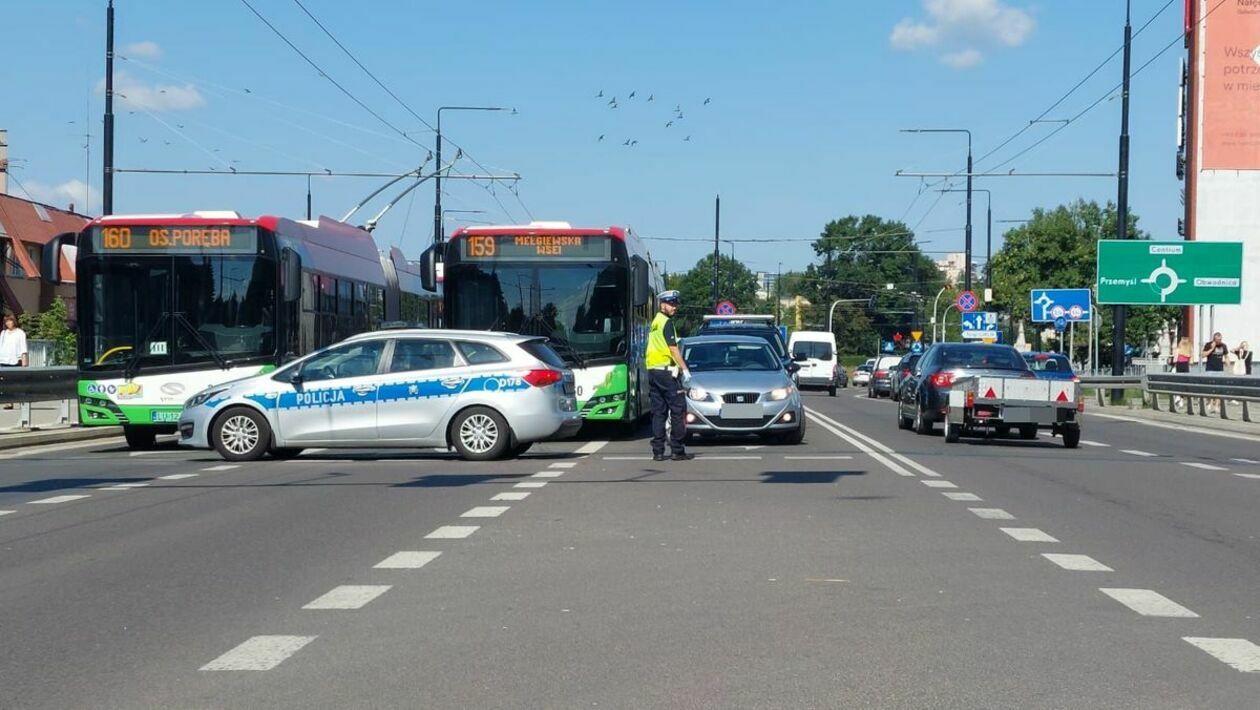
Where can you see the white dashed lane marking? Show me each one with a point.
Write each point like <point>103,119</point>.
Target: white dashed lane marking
<point>566,464</point>
<point>548,474</point>
<point>486,511</point>
<point>1203,466</point>
<point>407,559</point>
<point>590,447</point>
<point>1252,462</point>
<point>530,484</point>
<point>1098,444</point>
<point>260,653</point>
<point>1077,563</point>
<point>1029,534</point>
<point>952,495</point>
<point>992,513</point>
<point>1240,654</point>
<point>178,476</point>
<point>626,458</point>
<point>938,484</point>
<point>1149,603</point>
<point>348,596</point>
<point>818,458</point>
<point>1135,452</point>
<point>452,532</point>
<point>511,495</point>
<point>222,467</point>
<point>1248,475</point>
<point>57,499</point>
<point>7,512</point>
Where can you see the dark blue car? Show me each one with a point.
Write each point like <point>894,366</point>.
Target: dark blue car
<point>1050,366</point>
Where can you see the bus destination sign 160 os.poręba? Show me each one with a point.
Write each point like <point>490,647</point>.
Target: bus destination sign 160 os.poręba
<point>169,239</point>
<point>535,247</point>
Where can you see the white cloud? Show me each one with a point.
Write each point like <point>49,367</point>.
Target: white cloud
<point>962,24</point>
<point>132,92</point>
<point>963,59</point>
<point>142,50</point>
<point>61,196</point>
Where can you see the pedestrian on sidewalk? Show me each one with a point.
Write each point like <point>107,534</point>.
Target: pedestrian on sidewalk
<point>1243,353</point>
<point>1182,355</point>
<point>668,378</point>
<point>12,346</point>
<point>1214,352</point>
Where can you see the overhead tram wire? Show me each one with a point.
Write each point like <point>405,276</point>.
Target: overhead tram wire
<point>407,107</point>
<point>1027,126</point>
<point>327,76</point>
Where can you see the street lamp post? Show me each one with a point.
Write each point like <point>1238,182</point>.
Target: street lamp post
<point>988,263</point>
<point>1119,313</point>
<point>438,235</point>
<point>778,292</point>
<point>935,302</point>
<point>966,271</point>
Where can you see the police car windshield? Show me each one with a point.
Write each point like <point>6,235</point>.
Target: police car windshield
<point>713,357</point>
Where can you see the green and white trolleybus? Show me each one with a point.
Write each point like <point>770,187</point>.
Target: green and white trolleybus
<point>590,291</point>
<point>170,304</point>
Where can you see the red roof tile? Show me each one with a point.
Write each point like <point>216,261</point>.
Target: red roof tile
<point>23,224</point>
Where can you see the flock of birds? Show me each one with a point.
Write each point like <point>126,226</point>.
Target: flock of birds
<point>676,115</point>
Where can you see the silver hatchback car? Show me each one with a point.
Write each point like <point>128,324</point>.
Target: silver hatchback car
<point>740,386</point>
<point>487,395</point>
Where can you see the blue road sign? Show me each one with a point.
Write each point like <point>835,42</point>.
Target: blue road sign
<point>1060,323</point>
<point>980,325</point>
<point>889,346</point>
<point>783,333</point>
<point>916,348</point>
<point>1050,304</point>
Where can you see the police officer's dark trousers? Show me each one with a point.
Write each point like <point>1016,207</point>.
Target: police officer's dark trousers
<point>667,400</point>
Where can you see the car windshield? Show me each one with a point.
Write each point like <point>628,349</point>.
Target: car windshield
<point>770,335</point>
<point>982,358</point>
<point>719,356</point>
<point>814,350</point>
<point>1049,363</point>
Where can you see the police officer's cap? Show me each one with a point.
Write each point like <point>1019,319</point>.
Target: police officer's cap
<point>668,297</point>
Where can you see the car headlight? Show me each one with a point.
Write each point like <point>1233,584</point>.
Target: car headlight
<point>780,394</point>
<point>203,397</point>
<point>699,394</point>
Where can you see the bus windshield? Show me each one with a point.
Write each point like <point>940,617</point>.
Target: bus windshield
<point>176,310</point>
<point>579,306</point>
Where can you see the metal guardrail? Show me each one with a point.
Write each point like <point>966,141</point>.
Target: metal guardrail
<point>33,384</point>
<point>1106,383</point>
<point>1202,388</point>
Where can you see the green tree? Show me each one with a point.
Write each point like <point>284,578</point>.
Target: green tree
<point>52,324</point>
<point>1058,248</point>
<point>735,283</point>
<point>860,257</point>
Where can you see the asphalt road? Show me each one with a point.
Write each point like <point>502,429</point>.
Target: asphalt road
<point>868,567</point>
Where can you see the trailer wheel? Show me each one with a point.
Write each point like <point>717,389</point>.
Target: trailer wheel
<point>953,432</point>
<point>1072,436</point>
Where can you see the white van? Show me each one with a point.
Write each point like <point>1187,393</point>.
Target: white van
<point>815,352</point>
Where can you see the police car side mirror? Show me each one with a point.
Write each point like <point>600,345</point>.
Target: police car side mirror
<point>793,368</point>
<point>800,357</point>
<point>295,376</point>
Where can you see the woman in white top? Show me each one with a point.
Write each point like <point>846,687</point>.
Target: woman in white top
<point>12,343</point>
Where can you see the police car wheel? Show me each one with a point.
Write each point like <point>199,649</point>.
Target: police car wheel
<point>480,434</point>
<point>240,434</point>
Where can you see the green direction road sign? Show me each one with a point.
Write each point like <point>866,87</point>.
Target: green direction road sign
<point>1135,271</point>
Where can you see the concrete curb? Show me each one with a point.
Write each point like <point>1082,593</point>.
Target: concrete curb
<point>43,437</point>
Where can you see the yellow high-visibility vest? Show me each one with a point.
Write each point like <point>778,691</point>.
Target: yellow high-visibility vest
<point>658,354</point>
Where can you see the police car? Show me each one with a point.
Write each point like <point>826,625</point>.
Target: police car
<point>486,395</point>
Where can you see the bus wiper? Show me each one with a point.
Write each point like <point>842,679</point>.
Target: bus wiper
<point>133,363</point>
<point>568,348</point>
<point>221,361</point>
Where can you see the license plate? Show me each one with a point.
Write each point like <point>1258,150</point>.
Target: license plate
<point>741,411</point>
<point>164,417</point>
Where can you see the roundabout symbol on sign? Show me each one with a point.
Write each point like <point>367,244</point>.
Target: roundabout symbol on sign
<point>1165,271</point>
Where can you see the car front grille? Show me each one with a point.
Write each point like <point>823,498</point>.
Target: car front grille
<point>741,397</point>
<point>740,423</point>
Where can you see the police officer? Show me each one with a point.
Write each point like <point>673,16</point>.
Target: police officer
<point>667,378</point>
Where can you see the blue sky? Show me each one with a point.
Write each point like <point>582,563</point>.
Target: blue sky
<point>806,102</point>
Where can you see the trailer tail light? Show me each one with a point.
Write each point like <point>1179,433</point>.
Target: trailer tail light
<point>542,378</point>
<point>971,399</point>
<point>1080,403</point>
<point>942,379</point>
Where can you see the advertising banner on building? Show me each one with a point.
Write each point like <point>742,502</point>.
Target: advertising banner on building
<point>1231,85</point>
